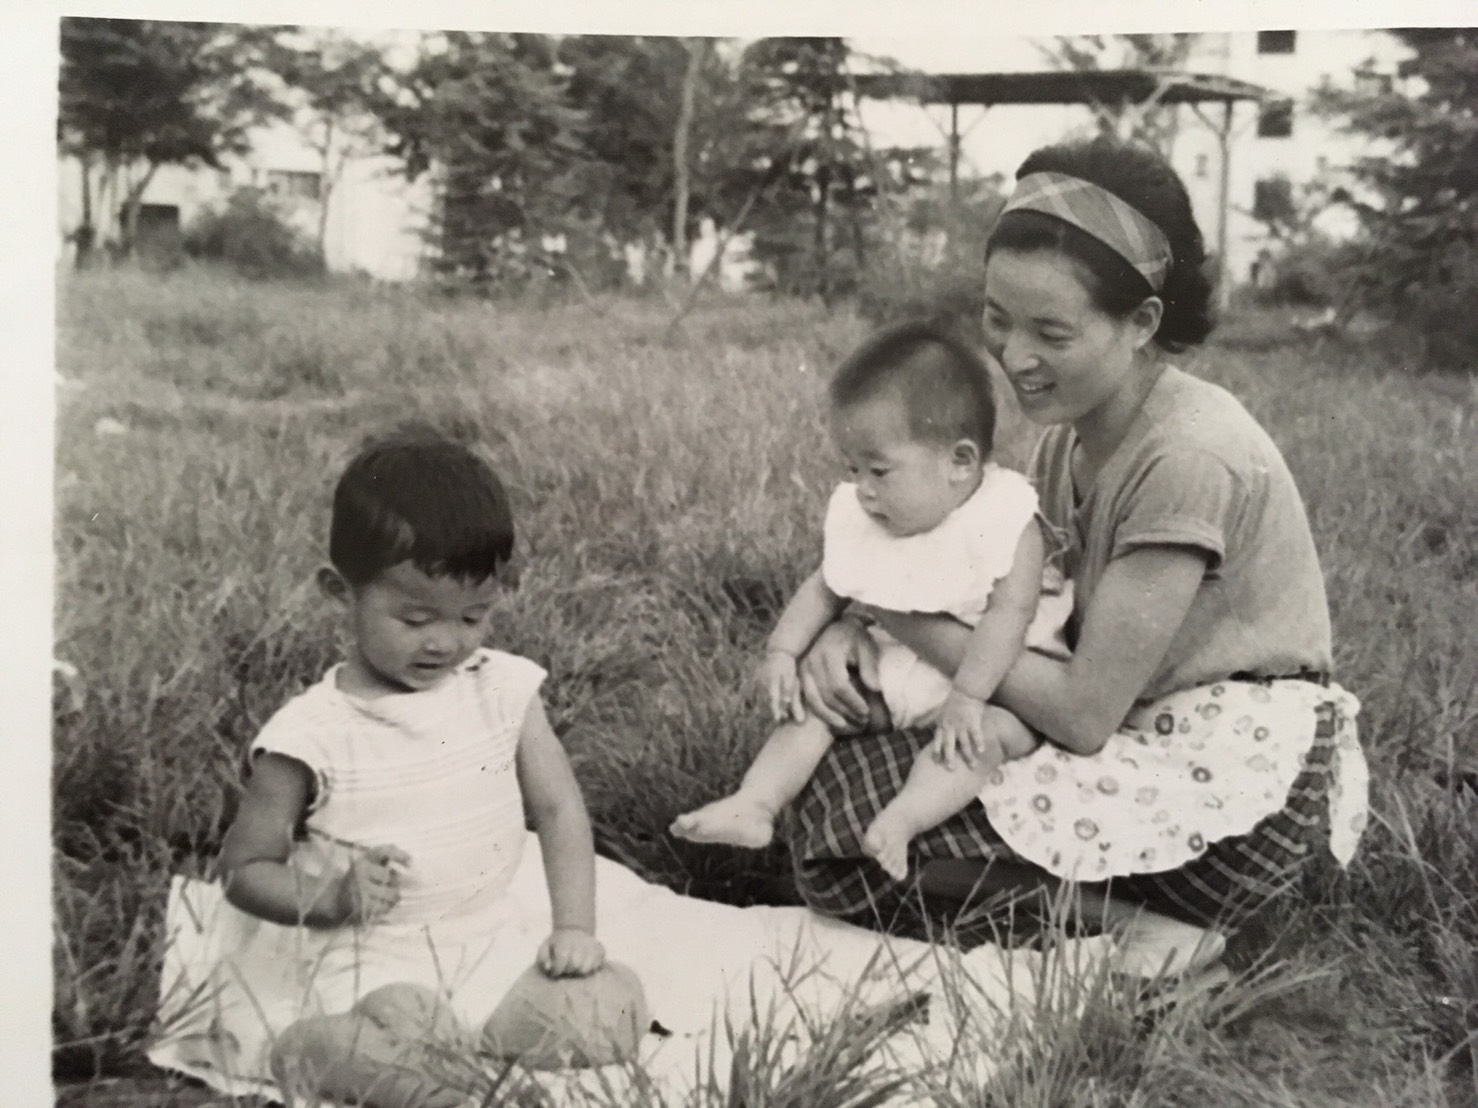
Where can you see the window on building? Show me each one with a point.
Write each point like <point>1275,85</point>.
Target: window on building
<point>1272,200</point>
<point>1275,120</point>
<point>1276,42</point>
<point>294,182</point>
<point>1202,165</point>
<point>1369,82</point>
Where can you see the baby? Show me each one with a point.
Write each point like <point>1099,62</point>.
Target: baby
<point>929,524</point>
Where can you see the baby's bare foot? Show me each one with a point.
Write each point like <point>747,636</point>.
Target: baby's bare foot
<point>735,820</point>
<point>886,841</point>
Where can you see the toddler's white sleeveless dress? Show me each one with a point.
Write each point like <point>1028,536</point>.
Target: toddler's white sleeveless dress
<point>431,772</point>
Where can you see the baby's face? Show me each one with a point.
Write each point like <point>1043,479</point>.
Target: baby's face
<point>907,486</point>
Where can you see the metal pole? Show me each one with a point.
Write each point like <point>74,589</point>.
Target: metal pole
<point>1223,289</point>
<point>954,152</point>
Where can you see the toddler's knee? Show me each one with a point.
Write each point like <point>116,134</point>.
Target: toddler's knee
<point>411,1012</point>
<point>307,1049</point>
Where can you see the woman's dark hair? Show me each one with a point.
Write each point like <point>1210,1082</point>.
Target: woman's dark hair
<point>942,382</point>
<point>1143,179</point>
<point>415,495</point>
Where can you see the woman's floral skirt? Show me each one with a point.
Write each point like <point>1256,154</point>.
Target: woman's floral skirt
<point>1205,804</point>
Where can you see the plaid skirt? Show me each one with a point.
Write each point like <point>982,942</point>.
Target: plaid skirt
<point>1222,886</point>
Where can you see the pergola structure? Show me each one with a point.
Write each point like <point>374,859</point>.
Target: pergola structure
<point>1129,91</point>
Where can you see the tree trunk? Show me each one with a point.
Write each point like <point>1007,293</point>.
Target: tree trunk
<point>680,172</point>
<point>130,212</point>
<point>823,275</point>
<point>86,233</point>
<point>326,187</point>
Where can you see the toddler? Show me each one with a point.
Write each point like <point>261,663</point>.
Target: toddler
<point>383,817</point>
<point>928,523</point>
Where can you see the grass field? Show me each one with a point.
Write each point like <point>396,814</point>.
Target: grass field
<point>668,494</point>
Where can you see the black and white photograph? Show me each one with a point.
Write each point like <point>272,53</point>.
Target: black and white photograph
<point>499,481</point>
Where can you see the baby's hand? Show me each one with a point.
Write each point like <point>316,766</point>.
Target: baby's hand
<point>965,730</point>
<point>371,887</point>
<point>570,952</point>
<point>780,677</point>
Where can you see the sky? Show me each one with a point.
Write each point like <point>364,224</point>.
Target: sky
<point>930,35</point>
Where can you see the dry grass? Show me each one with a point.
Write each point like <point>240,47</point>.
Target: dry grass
<point>668,499</point>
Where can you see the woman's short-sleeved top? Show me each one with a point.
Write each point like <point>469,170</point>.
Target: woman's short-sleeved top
<point>432,772</point>
<point>950,569</point>
<point>1196,470</point>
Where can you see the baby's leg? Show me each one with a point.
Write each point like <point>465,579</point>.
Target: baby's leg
<point>931,795</point>
<point>376,1054</point>
<point>779,772</point>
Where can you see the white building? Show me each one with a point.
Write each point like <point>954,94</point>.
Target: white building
<point>373,221</point>
<point>1279,147</point>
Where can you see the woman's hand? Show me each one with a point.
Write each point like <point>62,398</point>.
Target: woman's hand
<point>371,887</point>
<point>842,649</point>
<point>571,952</point>
<point>779,678</point>
<point>967,730</point>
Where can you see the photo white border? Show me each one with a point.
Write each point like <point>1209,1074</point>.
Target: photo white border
<point>28,66</point>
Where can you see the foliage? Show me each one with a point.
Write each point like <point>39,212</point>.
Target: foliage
<point>930,258</point>
<point>138,94</point>
<point>1151,123</point>
<point>1416,191</point>
<point>251,237</point>
<point>629,89</point>
<point>805,160</point>
<point>487,116</point>
<point>336,87</point>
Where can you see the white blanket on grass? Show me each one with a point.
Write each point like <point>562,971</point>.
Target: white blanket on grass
<point>714,974</point>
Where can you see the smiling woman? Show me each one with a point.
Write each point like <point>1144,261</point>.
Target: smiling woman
<point>1195,752</point>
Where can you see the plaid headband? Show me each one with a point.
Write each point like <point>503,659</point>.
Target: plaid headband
<point>1099,213</point>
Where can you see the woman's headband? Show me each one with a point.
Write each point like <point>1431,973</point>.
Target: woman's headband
<point>1099,213</point>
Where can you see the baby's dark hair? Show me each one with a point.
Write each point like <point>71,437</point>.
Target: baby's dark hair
<point>416,495</point>
<point>1143,179</point>
<point>941,380</point>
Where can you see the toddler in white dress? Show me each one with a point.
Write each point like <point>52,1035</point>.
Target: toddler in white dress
<point>928,523</point>
<point>366,875</point>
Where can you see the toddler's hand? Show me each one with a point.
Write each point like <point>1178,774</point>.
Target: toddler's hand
<point>570,952</point>
<point>780,677</point>
<point>372,886</point>
<point>965,730</point>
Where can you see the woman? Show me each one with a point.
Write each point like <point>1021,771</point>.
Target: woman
<point>1195,753</point>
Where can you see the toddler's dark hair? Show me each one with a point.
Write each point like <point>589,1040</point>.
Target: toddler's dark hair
<point>943,382</point>
<point>415,495</point>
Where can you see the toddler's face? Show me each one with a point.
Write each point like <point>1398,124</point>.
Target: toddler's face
<point>907,486</point>
<point>412,629</point>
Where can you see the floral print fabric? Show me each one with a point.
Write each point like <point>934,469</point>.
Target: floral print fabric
<point>1183,772</point>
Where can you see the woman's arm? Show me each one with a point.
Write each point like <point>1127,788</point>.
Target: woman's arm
<point>1138,607</point>
<point>552,797</point>
<point>256,868</point>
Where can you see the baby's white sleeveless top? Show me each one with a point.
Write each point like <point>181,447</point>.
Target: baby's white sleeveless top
<point>950,569</point>
<point>431,772</point>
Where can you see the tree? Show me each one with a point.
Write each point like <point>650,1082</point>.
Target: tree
<point>338,87</point>
<point>139,94</point>
<point>1150,122</point>
<point>662,116</point>
<point>1416,189</point>
<point>806,158</point>
<point>488,118</point>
